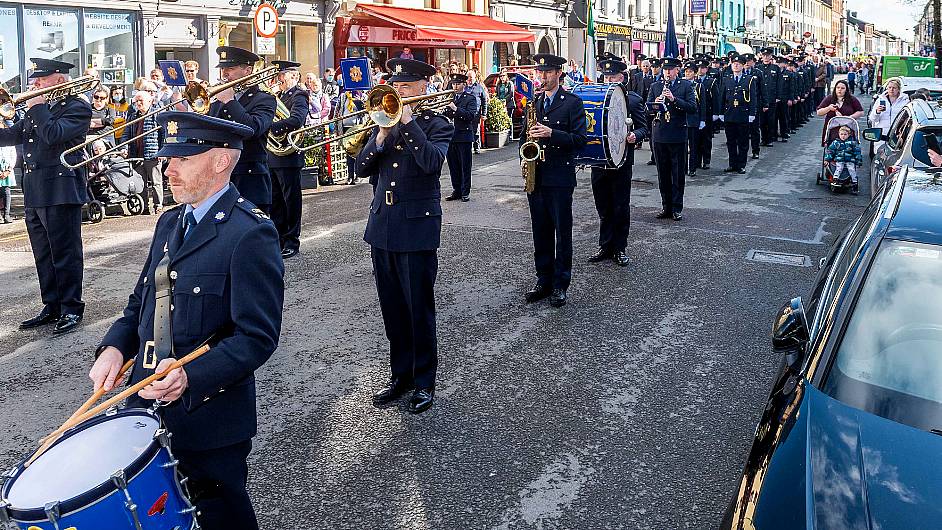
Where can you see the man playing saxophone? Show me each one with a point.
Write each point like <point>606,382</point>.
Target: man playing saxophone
<point>286,169</point>
<point>560,130</point>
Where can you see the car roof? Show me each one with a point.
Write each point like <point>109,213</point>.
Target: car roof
<point>926,113</point>
<point>911,83</point>
<point>917,217</point>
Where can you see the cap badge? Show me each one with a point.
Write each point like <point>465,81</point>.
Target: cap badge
<point>171,127</point>
<point>222,55</point>
<point>542,60</point>
<point>398,68</point>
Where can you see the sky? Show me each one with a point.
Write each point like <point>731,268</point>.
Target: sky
<point>897,16</point>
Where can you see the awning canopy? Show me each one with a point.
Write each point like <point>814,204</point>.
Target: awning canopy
<point>429,24</point>
<point>740,47</point>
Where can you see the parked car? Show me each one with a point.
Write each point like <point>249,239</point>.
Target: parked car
<point>850,434</point>
<point>917,128</point>
<point>909,86</point>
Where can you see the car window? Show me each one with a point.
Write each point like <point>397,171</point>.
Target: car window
<point>889,361</point>
<point>899,129</point>
<point>924,139</point>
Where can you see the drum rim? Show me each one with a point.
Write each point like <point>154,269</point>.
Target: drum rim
<point>606,143</point>
<point>94,495</point>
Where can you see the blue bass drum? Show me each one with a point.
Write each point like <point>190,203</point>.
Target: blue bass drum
<point>606,113</point>
<point>112,472</point>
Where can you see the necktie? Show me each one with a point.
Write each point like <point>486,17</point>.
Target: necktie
<point>189,222</point>
<point>546,104</point>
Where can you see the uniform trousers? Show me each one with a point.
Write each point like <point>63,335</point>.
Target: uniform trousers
<point>216,486</point>
<point>611,189</point>
<point>459,166</point>
<point>737,143</point>
<point>782,114</point>
<point>286,205</point>
<point>671,174</point>
<point>768,123</point>
<point>551,224</point>
<point>699,144</point>
<point>754,133</point>
<point>151,171</point>
<point>405,283</point>
<point>55,233</point>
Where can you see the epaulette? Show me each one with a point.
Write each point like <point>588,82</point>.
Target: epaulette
<point>253,211</point>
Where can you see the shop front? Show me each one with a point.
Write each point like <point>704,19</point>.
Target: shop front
<point>706,41</point>
<point>543,21</point>
<point>613,38</point>
<point>651,43</point>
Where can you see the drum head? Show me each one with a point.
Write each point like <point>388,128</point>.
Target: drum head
<point>616,130</point>
<point>84,460</point>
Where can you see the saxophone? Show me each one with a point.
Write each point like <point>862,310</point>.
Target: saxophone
<point>530,152</point>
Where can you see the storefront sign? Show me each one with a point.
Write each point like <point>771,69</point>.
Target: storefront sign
<point>699,7</point>
<point>280,5</point>
<point>647,35</point>
<point>613,31</point>
<point>706,40</point>
<point>380,35</point>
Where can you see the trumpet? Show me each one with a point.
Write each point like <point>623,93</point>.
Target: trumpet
<point>199,96</point>
<point>9,104</point>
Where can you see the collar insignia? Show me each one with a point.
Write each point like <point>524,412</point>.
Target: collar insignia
<point>220,216</point>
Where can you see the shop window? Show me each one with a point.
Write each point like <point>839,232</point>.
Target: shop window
<point>236,33</point>
<point>304,41</point>
<point>52,34</point>
<point>10,77</point>
<point>432,4</point>
<point>470,6</point>
<point>109,46</point>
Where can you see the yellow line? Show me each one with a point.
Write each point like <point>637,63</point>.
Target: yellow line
<point>14,237</point>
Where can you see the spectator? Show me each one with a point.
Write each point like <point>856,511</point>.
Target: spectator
<point>330,86</point>
<point>864,78</point>
<point>478,91</point>
<point>844,151</point>
<point>505,92</point>
<point>165,93</point>
<point>119,104</point>
<point>851,77</point>
<point>436,82</point>
<point>820,80</point>
<point>320,105</point>
<point>574,75</point>
<point>191,70</point>
<point>146,146</point>
<point>921,93</point>
<point>7,180</point>
<point>406,53</point>
<point>94,73</point>
<point>840,103</point>
<point>886,107</point>
<point>103,116</point>
<point>377,75</point>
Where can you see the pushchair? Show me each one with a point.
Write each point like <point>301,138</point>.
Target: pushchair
<point>112,182</point>
<point>842,182</point>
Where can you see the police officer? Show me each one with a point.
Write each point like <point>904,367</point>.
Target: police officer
<point>53,194</point>
<point>786,96</point>
<point>800,82</point>
<point>561,132</point>
<point>655,77</point>
<point>700,133</point>
<point>611,188</point>
<point>464,111</point>
<point>404,165</point>
<point>740,103</point>
<point>749,69</point>
<point>214,273</point>
<point>673,100</point>
<point>254,108</point>
<point>771,88</point>
<point>636,75</point>
<point>286,170</point>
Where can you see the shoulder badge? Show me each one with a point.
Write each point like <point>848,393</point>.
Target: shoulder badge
<point>261,215</point>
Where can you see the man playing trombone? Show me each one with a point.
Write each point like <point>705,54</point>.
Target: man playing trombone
<point>286,169</point>
<point>404,164</point>
<point>254,108</point>
<point>54,194</point>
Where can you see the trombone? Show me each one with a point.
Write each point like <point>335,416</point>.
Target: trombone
<point>384,107</point>
<point>9,104</point>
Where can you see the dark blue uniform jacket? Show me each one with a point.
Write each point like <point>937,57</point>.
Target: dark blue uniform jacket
<point>255,109</point>
<point>296,99</point>
<point>740,100</point>
<point>685,102</point>
<point>465,117</point>
<point>566,116</point>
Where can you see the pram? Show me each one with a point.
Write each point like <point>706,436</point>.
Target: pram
<point>842,182</point>
<point>113,182</point>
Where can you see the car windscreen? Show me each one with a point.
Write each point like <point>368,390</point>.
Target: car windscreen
<point>889,361</point>
<point>924,139</point>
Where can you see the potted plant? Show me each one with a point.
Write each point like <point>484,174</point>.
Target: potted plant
<point>496,124</point>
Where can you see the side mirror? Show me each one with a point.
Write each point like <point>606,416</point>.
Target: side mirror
<point>790,332</point>
<point>874,134</point>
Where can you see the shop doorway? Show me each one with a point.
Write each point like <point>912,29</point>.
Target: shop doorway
<point>546,45</point>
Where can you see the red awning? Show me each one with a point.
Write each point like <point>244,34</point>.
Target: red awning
<point>430,24</point>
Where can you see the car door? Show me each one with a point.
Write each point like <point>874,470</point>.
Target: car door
<point>888,153</point>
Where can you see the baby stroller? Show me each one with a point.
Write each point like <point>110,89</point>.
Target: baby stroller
<point>112,182</point>
<point>842,182</point>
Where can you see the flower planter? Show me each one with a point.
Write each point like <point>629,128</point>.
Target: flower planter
<point>496,139</point>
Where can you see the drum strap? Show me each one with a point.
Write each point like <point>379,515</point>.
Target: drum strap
<point>162,347</point>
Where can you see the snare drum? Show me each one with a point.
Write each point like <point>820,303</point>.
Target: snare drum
<point>606,110</point>
<point>113,472</point>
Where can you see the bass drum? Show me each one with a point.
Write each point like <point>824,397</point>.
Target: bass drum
<point>606,110</point>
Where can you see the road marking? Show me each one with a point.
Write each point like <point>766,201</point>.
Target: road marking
<point>818,237</point>
<point>778,258</point>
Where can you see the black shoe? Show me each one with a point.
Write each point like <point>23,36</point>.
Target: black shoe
<point>729,170</point>
<point>620,258</point>
<point>601,255</point>
<point>650,162</point>
<point>755,156</point>
<point>66,323</point>
<point>678,216</point>
<point>45,316</point>
<point>466,198</point>
<point>559,298</point>
<point>705,166</point>
<point>783,140</point>
<point>741,171</point>
<point>421,400</point>
<point>395,389</point>
<point>692,173</point>
<point>664,214</point>
<point>767,144</point>
<point>289,253</point>
<point>537,293</point>
<point>453,197</point>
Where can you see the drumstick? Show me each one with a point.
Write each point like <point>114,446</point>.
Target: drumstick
<point>127,392</point>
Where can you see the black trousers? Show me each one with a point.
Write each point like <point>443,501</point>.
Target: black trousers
<point>55,233</point>
<point>782,115</point>
<point>611,189</point>
<point>551,224</point>
<point>754,133</point>
<point>699,145</point>
<point>768,121</point>
<point>405,283</point>
<point>459,165</point>
<point>671,161</point>
<point>151,170</point>
<point>796,114</point>
<point>737,143</point>
<point>216,486</point>
<point>286,205</point>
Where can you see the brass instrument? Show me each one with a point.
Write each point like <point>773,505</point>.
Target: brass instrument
<point>199,96</point>
<point>530,152</point>
<point>277,144</point>
<point>9,104</point>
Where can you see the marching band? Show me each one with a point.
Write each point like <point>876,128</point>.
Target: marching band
<point>214,276</point>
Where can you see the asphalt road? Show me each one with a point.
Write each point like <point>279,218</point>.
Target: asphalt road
<point>632,407</point>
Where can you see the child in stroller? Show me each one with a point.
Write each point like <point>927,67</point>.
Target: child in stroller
<point>844,152</point>
<point>113,182</point>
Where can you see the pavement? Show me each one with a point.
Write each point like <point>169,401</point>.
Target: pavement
<point>632,407</point>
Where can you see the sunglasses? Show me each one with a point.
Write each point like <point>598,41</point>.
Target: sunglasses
<point>191,71</point>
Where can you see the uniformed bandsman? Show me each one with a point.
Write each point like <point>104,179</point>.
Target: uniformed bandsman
<point>701,136</point>
<point>655,77</point>
<point>786,96</point>
<point>636,75</point>
<point>772,88</point>
<point>463,111</point>
<point>286,170</point>
<point>749,69</point>
<point>611,188</point>
<point>739,111</point>
<point>800,83</point>
<point>213,273</point>
<point>676,99</point>
<point>53,194</point>
<point>254,108</point>
<point>404,165</point>
<point>561,132</point>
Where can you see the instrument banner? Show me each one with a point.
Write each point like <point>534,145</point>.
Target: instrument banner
<point>356,73</point>
<point>173,72</point>
<point>523,86</point>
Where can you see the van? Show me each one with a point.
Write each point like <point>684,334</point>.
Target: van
<point>903,66</point>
